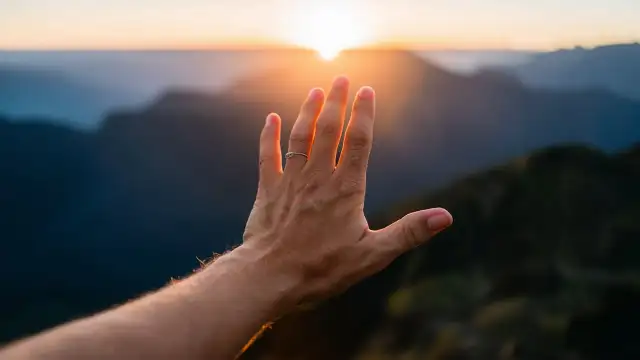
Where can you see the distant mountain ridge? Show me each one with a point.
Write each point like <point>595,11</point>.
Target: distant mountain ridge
<point>614,67</point>
<point>78,87</point>
<point>54,95</point>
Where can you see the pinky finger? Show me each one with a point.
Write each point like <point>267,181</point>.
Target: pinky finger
<point>270,152</point>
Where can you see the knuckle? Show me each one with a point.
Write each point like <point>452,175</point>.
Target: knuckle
<point>298,138</point>
<point>310,206</point>
<point>328,128</point>
<point>411,235</point>
<point>359,140</point>
<point>357,161</point>
<point>349,187</point>
<point>311,187</point>
<point>305,207</point>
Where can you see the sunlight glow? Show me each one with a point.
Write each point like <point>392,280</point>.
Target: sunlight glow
<point>328,27</point>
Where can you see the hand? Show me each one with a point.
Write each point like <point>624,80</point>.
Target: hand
<point>308,220</point>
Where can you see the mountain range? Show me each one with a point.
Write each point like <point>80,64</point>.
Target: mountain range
<point>79,87</point>
<point>613,67</point>
<point>92,218</point>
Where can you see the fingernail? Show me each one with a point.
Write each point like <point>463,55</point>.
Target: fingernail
<point>439,222</point>
<point>315,94</point>
<point>341,81</point>
<point>366,92</point>
<point>270,119</point>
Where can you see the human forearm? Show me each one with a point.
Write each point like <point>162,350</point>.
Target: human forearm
<point>190,319</point>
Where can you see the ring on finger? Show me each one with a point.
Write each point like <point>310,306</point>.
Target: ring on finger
<point>291,154</point>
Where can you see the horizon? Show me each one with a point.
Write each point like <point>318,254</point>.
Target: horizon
<point>286,47</point>
<point>279,46</point>
<point>67,25</point>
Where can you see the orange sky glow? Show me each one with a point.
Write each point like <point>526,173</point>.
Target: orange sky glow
<point>325,25</point>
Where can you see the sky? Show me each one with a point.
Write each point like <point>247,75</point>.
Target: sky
<point>429,24</point>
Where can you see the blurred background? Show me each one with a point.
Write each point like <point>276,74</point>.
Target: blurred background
<point>128,152</point>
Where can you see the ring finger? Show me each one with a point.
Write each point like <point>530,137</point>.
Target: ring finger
<point>303,131</point>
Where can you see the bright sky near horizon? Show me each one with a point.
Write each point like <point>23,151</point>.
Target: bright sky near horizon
<point>515,24</point>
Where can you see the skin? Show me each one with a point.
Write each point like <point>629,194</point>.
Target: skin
<point>306,239</point>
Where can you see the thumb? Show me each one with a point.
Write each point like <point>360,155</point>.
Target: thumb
<point>413,230</point>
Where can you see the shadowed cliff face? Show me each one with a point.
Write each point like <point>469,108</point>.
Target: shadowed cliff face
<point>125,208</point>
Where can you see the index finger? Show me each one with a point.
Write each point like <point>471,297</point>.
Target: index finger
<point>359,137</point>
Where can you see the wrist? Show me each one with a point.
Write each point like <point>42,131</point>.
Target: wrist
<point>267,277</point>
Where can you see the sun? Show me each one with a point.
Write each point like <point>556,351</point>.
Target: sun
<point>328,28</point>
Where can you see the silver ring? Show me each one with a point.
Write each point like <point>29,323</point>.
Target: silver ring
<point>291,154</point>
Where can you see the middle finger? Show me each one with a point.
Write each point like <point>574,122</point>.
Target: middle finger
<point>329,127</point>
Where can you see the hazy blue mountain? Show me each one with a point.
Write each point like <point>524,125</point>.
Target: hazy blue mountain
<point>126,207</point>
<point>614,67</point>
<point>78,87</point>
<point>149,72</point>
<point>57,96</point>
